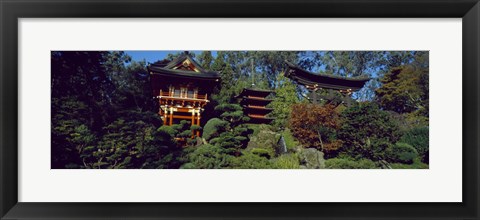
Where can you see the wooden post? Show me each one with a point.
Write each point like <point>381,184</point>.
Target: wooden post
<point>198,122</point>
<point>171,115</point>
<point>193,121</point>
<point>165,117</point>
<point>193,117</point>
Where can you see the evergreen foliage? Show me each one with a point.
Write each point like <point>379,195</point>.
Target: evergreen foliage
<point>402,153</point>
<point>285,97</point>
<point>345,163</point>
<point>405,88</point>
<point>213,128</point>
<point>418,138</point>
<point>364,124</point>
<point>104,116</point>
<point>208,157</point>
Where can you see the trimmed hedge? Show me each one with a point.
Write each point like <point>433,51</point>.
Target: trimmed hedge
<point>418,138</point>
<point>401,153</point>
<point>344,163</point>
<point>213,128</point>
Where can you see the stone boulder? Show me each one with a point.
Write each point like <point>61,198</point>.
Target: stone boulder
<point>311,158</point>
<point>264,142</point>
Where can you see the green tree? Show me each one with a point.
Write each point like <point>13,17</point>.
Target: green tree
<point>285,97</point>
<point>208,157</point>
<point>405,88</point>
<point>205,59</point>
<point>365,126</point>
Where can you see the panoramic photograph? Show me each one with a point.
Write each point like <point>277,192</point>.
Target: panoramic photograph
<point>239,109</point>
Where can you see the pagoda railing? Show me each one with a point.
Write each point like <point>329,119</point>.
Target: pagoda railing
<point>183,96</point>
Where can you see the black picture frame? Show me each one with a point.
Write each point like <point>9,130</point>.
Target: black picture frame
<point>12,10</point>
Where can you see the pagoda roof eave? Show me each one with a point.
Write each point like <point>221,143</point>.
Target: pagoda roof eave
<point>257,99</point>
<point>181,58</point>
<point>261,108</point>
<point>255,92</point>
<point>257,111</point>
<point>184,74</point>
<point>305,77</point>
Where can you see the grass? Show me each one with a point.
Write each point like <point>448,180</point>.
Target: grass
<point>290,141</point>
<point>417,164</point>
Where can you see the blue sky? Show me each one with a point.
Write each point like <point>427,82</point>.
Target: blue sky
<point>151,56</point>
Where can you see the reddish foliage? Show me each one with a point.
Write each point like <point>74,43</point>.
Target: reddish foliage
<point>310,121</point>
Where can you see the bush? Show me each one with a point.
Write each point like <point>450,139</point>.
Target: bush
<point>248,160</point>
<point>376,149</point>
<point>345,163</point>
<point>286,161</point>
<point>262,152</point>
<point>418,138</point>
<point>364,123</point>
<point>417,164</point>
<point>401,153</point>
<point>208,157</point>
<point>315,126</point>
<point>213,128</point>
<point>264,141</point>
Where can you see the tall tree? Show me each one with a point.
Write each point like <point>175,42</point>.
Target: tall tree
<point>205,59</point>
<point>285,98</point>
<point>405,88</point>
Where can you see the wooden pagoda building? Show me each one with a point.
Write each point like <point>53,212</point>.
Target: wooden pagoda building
<point>315,81</point>
<point>182,87</point>
<point>254,103</point>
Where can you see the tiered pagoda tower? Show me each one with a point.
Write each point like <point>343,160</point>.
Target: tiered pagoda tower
<point>315,81</point>
<point>182,87</point>
<point>254,102</point>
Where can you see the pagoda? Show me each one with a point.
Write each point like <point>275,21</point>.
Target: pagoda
<point>182,88</point>
<point>314,81</point>
<point>254,102</point>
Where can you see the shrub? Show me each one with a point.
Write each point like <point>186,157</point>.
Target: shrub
<point>418,138</point>
<point>285,97</point>
<point>265,141</point>
<point>345,163</point>
<point>232,113</point>
<point>376,149</point>
<point>417,164</point>
<point>315,126</point>
<point>262,152</point>
<point>286,161</point>
<point>401,153</point>
<point>364,123</point>
<point>248,160</point>
<point>213,128</point>
<point>208,157</point>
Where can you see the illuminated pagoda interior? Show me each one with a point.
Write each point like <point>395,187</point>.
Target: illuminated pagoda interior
<point>182,87</point>
<point>254,102</point>
<point>315,81</point>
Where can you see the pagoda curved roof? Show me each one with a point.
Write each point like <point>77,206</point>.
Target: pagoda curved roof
<point>255,101</point>
<point>255,92</point>
<point>260,119</point>
<point>256,110</point>
<point>161,68</point>
<point>315,80</point>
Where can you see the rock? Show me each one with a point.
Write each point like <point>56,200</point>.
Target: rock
<point>281,146</point>
<point>266,140</point>
<point>312,158</point>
